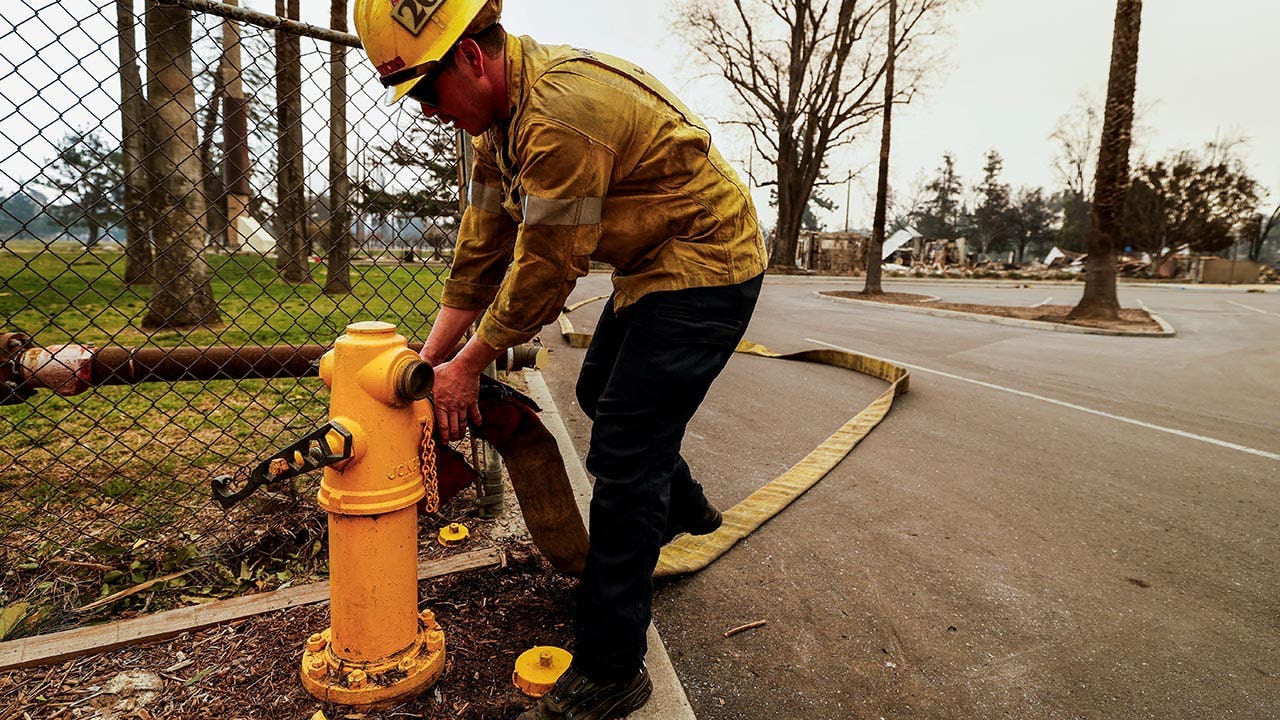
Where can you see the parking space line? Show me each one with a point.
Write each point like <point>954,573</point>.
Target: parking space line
<point>1043,302</point>
<point>1073,406</point>
<point>1249,307</point>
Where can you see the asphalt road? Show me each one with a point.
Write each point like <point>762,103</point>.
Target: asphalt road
<point>1048,525</point>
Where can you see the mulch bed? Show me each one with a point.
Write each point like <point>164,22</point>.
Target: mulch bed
<point>249,668</point>
<point>1130,320</point>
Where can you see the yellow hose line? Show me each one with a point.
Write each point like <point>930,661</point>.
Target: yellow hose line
<point>576,339</point>
<point>691,553</point>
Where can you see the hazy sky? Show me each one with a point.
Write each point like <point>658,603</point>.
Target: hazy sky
<point>1013,67</point>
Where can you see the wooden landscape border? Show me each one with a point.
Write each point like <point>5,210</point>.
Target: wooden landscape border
<point>61,646</point>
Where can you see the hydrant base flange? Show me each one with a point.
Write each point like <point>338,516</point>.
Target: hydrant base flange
<point>378,683</point>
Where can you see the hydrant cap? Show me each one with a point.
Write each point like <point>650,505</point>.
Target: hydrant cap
<point>538,668</point>
<point>370,327</point>
<point>453,533</point>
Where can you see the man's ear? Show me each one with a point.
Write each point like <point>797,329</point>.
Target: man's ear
<point>470,55</point>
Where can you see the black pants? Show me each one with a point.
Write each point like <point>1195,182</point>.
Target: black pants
<point>648,368</point>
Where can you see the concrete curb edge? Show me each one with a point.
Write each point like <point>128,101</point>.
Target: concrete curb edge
<point>1166,330</point>
<point>668,701</point>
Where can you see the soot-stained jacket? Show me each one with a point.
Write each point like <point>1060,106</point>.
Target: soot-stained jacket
<point>599,161</point>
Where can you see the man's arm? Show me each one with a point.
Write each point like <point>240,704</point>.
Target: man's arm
<point>450,325</point>
<point>486,240</point>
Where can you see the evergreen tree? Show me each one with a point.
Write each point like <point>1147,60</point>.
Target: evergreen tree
<point>940,216</point>
<point>87,174</point>
<point>991,219</point>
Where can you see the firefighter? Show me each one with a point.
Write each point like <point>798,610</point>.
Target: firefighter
<point>582,157</point>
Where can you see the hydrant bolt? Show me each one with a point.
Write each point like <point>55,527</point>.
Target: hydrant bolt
<point>435,640</point>
<point>317,668</point>
<point>356,679</point>
<point>316,643</point>
<point>406,664</point>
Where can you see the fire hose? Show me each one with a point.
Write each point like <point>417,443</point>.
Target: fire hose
<point>691,553</point>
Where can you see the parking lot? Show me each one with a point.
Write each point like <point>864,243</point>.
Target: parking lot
<point>1048,525</point>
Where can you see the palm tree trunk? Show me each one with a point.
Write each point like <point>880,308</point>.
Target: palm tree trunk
<point>1112,181</point>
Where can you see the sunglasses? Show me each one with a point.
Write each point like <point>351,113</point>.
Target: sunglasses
<point>424,91</point>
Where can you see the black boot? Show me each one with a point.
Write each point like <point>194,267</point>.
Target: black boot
<point>575,697</point>
<point>705,523</point>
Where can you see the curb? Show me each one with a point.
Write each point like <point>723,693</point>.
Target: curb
<point>1166,330</point>
<point>668,701</point>
<point>1033,282</point>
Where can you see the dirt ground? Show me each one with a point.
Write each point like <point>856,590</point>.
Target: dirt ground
<point>1130,320</point>
<point>249,668</point>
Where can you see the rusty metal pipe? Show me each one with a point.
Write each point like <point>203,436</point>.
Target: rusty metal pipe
<point>71,369</point>
<point>126,366</point>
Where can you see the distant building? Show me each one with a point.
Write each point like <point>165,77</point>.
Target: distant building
<point>833,253</point>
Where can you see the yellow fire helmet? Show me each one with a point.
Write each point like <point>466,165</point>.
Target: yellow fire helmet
<point>404,38</point>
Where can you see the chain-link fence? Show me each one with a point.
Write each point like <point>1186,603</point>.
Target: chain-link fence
<point>171,178</point>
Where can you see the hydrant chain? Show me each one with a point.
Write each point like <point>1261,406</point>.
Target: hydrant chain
<point>427,462</point>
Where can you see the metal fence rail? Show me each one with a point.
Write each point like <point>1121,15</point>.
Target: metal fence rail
<point>170,178</point>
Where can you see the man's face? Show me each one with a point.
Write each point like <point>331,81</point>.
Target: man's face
<point>455,96</point>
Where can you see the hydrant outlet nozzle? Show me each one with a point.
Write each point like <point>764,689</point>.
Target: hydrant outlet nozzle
<point>414,381</point>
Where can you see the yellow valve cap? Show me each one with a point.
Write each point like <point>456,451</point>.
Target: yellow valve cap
<point>538,668</point>
<point>453,533</point>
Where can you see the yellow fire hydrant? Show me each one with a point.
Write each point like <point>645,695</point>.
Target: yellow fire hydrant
<point>378,649</point>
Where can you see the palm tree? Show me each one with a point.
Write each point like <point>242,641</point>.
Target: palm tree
<point>1112,179</point>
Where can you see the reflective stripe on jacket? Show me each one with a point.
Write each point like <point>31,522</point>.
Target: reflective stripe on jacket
<point>598,162</point>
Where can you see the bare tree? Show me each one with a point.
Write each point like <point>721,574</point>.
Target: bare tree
<point>1099,300</point>
<point>212,181</point>
<point>805,72</point>
<point>1076,136</point>
<point>137,246</point>
<point>291,246</point>
<point>872,284</point>
<point>339,258</point>
<point>183,296</point>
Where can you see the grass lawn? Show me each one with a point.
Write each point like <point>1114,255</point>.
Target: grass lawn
<point>114,483</point>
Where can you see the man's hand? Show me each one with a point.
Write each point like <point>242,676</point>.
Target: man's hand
<point>457,379</point>
<point>456,387</point>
